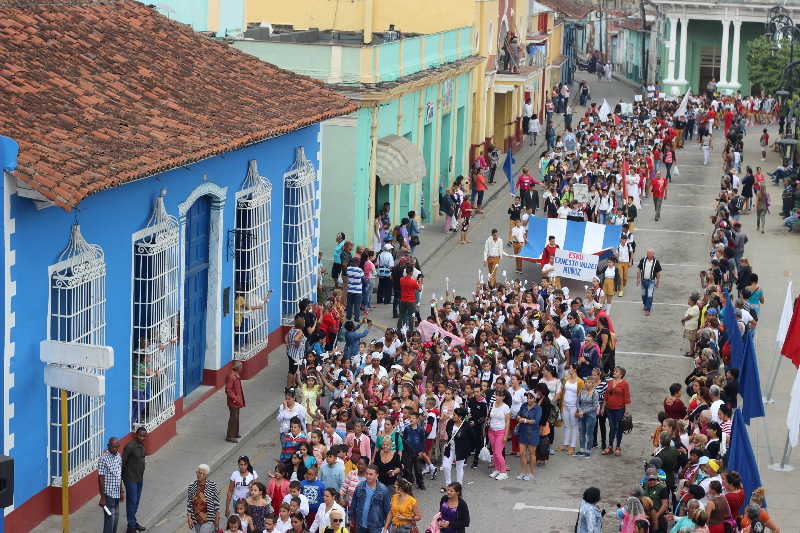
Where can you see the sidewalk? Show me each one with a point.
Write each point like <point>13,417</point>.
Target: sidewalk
<point>200,439</point>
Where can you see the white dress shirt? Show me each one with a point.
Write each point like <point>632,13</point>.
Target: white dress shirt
<point>492,248</point>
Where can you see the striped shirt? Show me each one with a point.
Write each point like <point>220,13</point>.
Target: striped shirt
<point>354,280</point>
<point>601,390</point>
<point>295,352</point>
<point>212,500</point>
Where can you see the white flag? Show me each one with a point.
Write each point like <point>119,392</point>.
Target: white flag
<point>681,111</point>
<point>786,316</point>
<point>604,111</point>
<point>793,415</point>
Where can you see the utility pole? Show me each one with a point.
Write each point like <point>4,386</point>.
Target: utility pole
<point>645,66</point>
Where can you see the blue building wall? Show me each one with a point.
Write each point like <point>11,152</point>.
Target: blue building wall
<point>109,219</point>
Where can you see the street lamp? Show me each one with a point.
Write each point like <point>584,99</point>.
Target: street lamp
<point>788,148</point>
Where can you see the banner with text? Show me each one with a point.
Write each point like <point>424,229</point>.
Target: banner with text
<point>575,265</point>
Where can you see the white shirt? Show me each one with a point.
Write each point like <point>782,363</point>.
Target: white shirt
<point>370,370</point>
<point>492,248</point>
<point>527,109</point>
<point>714,408</point>
<point>497,417</point>
<point>518,234</point>
<point>624,253</point>
<point>241,485</point>
<point>303,502</point>
<point>281,526</point>
<point>517,398</point>
<point>610,272</point>
<point>323,517</point>
<point>285,415</point>
<point>562,343</point>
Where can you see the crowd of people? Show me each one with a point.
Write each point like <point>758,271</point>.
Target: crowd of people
<point>516,368</point>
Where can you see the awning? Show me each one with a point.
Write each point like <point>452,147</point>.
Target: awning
<point>399,161</point>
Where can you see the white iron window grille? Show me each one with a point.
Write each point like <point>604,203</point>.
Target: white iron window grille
<point>77,310</point>
<point>300,185</point>
<point>156,253</point>
<point>251,265</point>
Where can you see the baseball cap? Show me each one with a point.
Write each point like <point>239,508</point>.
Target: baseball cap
<point>703,460</point>
<point>387,246</point>
<point>376,355</point>
<point>714,464</point>
<point>652,474</point>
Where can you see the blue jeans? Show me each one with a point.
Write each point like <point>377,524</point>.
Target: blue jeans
<point>601,217</point>
<point>790,221</point>
<point>648,289</point>
<point>366,295</point>
<point>133,492</point>
<point>586,425</point>
<point>110,522</point>
<point>614,432</point>
<point>354,306</point>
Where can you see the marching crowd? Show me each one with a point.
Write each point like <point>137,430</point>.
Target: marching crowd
<point>516,368</point>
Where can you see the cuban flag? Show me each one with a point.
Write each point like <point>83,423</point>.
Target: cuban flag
<point>583,237</point>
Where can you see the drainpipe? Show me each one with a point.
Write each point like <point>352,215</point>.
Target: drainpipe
<point>373,165</point>
<point>369,6</point>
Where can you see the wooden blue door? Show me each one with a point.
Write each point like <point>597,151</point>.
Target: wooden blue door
<point>195,293</point>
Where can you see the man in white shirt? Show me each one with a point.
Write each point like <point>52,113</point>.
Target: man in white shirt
<point>492,250</point>
<point>518,241</point>
<point>624,254</point>
<point>716,403</point>
<point>375,367</point>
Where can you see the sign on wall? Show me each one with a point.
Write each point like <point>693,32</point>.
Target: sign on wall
<point>575,265</point>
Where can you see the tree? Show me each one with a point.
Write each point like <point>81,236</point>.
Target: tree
<point>767,59</point>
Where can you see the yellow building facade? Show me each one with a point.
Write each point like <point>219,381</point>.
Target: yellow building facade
<point>370,15</point>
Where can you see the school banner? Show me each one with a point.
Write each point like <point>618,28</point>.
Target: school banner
<point>575,265</point>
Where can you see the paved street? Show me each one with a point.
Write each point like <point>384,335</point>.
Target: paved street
<point>649,348</point>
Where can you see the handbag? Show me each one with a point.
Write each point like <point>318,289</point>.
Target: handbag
<point>544,430</point>
<point>414,240</point>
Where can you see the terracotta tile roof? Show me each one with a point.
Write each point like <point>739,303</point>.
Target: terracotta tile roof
<point>569,8</point>
<point>102,92</point>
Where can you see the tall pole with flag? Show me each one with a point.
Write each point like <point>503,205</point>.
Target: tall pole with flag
<point>508,168</point>
<point>783,327</point>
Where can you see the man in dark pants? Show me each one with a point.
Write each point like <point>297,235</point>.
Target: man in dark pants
<point>413,444</point>
<point>235,396</point>
<point>133,463</point>
<point>478,411</point>
<point>109,482</point>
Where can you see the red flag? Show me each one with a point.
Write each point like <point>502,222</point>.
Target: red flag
<point>791,345</point>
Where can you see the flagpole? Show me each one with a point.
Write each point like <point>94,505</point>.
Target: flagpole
<point>783,466</point>
<point>769,446</point>
<point>776,366</point>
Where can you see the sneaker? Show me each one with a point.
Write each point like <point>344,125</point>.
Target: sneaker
<point>434,471</point>
<point>494,474</point>
<point>521,476</point>
<point>474,466</point>
<point>528,477</point>
<point>502,476</point>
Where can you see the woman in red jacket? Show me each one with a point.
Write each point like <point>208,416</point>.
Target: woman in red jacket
<point>330,324</point>
<point>618,397</point>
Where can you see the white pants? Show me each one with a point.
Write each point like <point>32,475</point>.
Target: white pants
<point>447,462</point>
<point>570,425</point>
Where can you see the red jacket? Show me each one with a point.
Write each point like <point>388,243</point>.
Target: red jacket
<point>618,397</point>
<point>233,390</point>
<point>547,253</point>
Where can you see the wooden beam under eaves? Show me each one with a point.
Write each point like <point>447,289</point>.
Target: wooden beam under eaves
<point>25,191</point>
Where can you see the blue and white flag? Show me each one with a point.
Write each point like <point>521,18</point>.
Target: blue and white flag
<point>509,170</point>
<point>583,237</point>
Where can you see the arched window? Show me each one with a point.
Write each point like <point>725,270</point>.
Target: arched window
<point>299,209</point>
<point>77,310</point>
<point>156,308</point>
<point>251,265</point>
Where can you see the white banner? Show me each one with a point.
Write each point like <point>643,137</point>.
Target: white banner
<point>581,192</point>
<point>575,265</point>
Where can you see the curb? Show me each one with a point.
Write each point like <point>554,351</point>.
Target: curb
<point>626,81</point>
<point>225,457</point>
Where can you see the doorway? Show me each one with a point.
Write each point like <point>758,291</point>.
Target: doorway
<point>709,66</point>
<point>195,292</point>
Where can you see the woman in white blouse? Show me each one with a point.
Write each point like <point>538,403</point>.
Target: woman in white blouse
<point>323,516</point>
